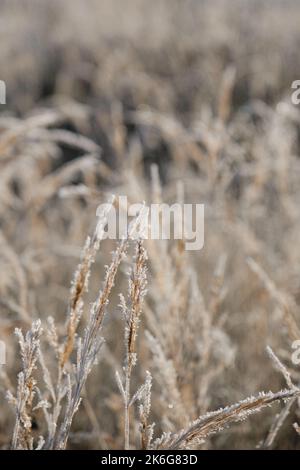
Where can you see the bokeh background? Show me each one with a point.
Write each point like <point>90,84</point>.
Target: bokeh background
<point>112,96</point>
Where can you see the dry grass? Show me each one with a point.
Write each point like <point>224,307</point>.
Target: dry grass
<point>181,101</point>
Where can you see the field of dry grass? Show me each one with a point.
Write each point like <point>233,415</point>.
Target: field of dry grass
<point>142,344</point>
